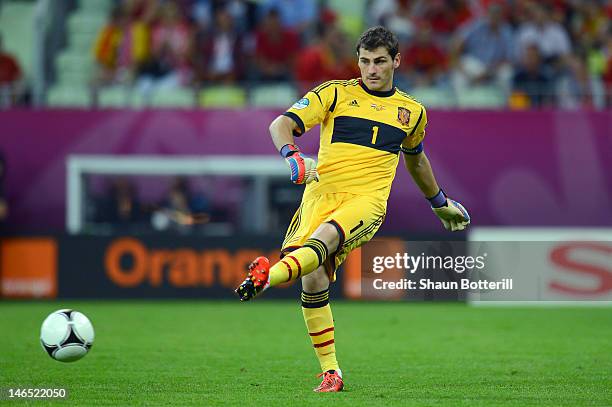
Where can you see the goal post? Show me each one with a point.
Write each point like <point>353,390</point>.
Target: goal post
<point>261,169</point>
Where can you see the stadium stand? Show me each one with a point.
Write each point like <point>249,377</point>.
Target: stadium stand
<point>481,97</point>
<point>223,96</point>
<point>580,74</point>
<point>281,95</point>
<point>181,97</point>
<point>74,64</point>
<point>16,26</point>
<point>434,97</point>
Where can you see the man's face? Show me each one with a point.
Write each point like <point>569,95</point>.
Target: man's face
<point>377,68</point>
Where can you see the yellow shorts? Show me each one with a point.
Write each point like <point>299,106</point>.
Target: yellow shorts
<point>356,217</point>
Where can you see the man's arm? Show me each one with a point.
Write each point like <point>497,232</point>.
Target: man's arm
<point>420,169</point>
<point>303,115</point>
<point>452,214</point>
<point>303,169</point>
<point>281,131</point>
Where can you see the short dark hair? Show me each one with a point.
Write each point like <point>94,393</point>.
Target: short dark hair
<point>378,36</point>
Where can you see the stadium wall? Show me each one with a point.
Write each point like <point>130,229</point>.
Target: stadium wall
<point>147,266</point>
<point>544,265</point>
<point>161,266</point>
<point>536,168</point>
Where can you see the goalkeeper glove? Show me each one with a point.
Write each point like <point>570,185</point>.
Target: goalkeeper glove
<point>452,214</point>
<point>303,169</point>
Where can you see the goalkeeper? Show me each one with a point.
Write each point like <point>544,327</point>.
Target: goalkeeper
<point>365,124</point>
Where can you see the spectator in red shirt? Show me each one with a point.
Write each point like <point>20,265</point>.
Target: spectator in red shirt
<point>447,16</point>
<point>171,42</point>
<point>424,61</point>
<point>275,48</point>
<point>169,63</point>
<point>10,76</point>
<point>329,58</point>
<point>220,51</point>
<point>9,67</point>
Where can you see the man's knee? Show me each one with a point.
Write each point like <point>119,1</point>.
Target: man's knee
<point>328,234</point>
<point>316,281</point>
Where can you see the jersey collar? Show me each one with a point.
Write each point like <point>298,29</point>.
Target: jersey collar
<point>383,94</point>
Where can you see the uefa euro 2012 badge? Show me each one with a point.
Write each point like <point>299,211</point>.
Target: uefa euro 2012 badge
<point>301,104</point>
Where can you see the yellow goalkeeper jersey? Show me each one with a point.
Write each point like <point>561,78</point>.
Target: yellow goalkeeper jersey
<point>362,134</point>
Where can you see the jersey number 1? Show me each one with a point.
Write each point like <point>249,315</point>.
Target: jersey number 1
<point>374,134</point>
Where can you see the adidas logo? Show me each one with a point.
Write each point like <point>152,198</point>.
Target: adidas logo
<point>354,103</point>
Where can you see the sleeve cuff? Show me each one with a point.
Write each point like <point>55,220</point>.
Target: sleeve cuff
<point>413,151</point>
<point>298,121</point>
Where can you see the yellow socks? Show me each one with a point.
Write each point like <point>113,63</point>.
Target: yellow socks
<point>320,325</point>
<point>300,262</point>
<point>315,306</point>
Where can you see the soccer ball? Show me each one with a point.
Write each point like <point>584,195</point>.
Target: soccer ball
<point>66,335</point>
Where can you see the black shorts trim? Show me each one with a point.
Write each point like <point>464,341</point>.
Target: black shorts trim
<point>372,226</point>
<point>340,232</point>
<point>286,250</point>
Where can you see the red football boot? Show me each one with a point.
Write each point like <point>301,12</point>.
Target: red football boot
<point>332,382</point>
<point>256,281</point>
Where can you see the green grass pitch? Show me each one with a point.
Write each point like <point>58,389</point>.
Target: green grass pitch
<point>229,353</point>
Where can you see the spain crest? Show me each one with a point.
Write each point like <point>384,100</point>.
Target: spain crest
<point>403,116</point>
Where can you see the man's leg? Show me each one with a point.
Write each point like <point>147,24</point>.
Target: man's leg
<point>301,262</point>
<point>317,311</point>
<point>318,317</point>
<point>320,325</point>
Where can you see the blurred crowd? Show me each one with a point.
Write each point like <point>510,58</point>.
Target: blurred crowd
<point>182,204</point>
<point>157,44</point>
<point>182,208</point>
<point>530,49</point>
<point>538,53</point>
<point>12,86</point>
